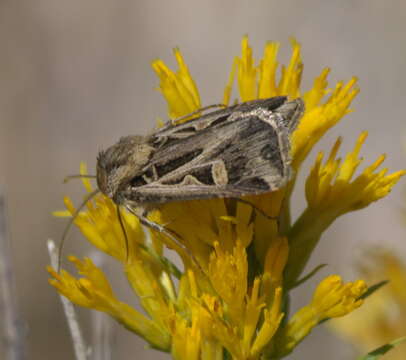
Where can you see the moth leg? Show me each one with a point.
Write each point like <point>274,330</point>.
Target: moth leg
<point>169,233</point>
<point>213,106</point>
<point>256,208</point>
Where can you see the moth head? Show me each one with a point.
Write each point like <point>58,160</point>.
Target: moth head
<point>120,163</point>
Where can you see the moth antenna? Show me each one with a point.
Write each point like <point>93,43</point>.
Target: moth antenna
<point>127,244</point>
<point>71,220</point>
<point>78,176</point>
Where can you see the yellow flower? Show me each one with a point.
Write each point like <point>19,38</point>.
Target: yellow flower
<point>383,318</point>
<point>178,88</point>
<point>331,299</point>
<point>332,183</point>
<point>238,266</point>
<point>331,191</point>
<point>94,291</point>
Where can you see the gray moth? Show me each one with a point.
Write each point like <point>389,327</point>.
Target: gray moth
<point>238,150</point>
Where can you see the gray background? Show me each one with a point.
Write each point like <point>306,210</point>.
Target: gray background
<point>75,75</point>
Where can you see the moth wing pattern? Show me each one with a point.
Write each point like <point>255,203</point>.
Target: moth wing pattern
<point>240,150</point>
<point>170,128</point>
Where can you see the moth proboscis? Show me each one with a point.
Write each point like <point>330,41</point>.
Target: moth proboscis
<point>238,150</point>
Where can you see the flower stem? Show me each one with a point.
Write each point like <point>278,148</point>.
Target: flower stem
<point>303,238</point>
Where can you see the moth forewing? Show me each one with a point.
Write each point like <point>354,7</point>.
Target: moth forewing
<point>239,150</point>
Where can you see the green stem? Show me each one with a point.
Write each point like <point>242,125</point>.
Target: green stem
<point>303,238</point>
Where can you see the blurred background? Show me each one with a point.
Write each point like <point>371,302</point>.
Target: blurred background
<point>75,76</point>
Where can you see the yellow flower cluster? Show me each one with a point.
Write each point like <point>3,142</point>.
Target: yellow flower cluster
<point>229,298</point>
<point>384,317</point>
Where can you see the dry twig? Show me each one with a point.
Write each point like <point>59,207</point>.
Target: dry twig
<point>79,345</point>
<point>12,330</point>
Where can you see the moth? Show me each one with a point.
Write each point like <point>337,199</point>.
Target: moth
<point>238,150</point>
